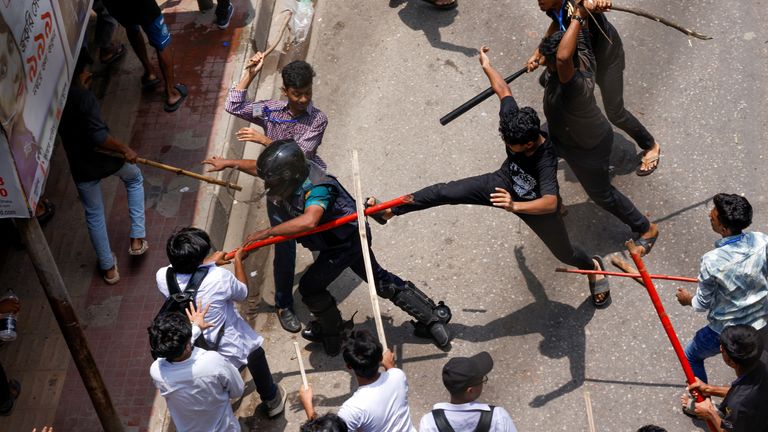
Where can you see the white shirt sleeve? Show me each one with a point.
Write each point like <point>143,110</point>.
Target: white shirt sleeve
<point>351,416</point>
<point>427,423</point>
<point>502,421</point>
<point>238,290</point>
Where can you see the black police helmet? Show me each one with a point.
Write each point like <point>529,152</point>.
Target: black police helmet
<point>283,167</point>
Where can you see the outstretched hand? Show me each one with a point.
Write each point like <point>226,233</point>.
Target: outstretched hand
<point>598,5</point>
<point>250,134</point>
<point>484,60</point>
<point>196,315</point>
<point>217,163</point>
<point>256,236</point>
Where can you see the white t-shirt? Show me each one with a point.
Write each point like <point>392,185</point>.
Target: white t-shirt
<point>464,418</point>
<point>198,391</point>
<point>221,290</point>
<point>381,406</point>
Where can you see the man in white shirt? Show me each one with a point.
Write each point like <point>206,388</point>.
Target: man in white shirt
<point>197,384</point>
<point>464,378</point>
<point>230,335</point>
<point>380,403</point>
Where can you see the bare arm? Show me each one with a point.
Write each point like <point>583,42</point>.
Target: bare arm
<point>247,166</point>
<point>114,145</point>
<point>536,58</point>
<point>544,205</point>
<point>297,225</point>
<point>567,48</point>
<point>498,84</point>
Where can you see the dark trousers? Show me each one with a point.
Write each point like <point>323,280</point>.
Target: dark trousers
<point>6,401</point>
<point>610,78</point>
<point>262,377</point>
<point>477,190</point>
<point>592,172</point>
<point>284,264</point>
<point>330,263</point>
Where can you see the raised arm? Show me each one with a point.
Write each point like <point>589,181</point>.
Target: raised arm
<point>537,58</point>
<point>498,84</point>
<point>568,45</point>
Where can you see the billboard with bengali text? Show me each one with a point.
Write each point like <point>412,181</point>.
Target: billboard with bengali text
<point>39,43</point>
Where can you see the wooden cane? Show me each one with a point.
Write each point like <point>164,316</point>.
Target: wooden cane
<point>590,416</point>
<point>629,275</point>
<point>301,365</point>
<point>625,267</point>
<point>634,252</point>
<point>366,252</point>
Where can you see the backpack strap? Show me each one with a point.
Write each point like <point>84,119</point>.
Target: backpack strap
<point>170,280</point>
<point>195,281</point>
<point>484,425</point>
<point>441,421</point>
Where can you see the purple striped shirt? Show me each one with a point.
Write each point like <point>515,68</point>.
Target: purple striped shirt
<point>307,129</point>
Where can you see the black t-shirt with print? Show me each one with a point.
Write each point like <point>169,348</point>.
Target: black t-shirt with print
<point>743,408</point>
<point>532,176</point>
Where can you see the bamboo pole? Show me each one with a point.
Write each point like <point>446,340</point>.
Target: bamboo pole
<point>301,365</point>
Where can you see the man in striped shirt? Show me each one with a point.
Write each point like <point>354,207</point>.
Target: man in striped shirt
<point>297,119</point>
<point>733,280</point>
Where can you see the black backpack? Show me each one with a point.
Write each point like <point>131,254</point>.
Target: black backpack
<point>484,425</point>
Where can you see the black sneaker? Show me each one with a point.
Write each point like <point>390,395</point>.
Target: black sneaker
<point>222,22</point>
<point>288,320</point>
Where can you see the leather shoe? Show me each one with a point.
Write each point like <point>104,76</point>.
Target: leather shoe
<point>288,320</point>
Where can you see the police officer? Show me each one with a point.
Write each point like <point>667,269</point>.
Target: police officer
<point>307,197</point>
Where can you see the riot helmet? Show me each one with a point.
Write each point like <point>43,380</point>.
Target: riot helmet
<point>283,167</point>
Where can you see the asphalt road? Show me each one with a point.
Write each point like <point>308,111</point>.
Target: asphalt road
<point>387,72</point>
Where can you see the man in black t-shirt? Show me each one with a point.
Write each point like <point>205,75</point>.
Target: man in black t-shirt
<point>83,133</point>
<point>582,135</point>
<point>743,406</point>
<point>526,185</point>
<point>607,52</point>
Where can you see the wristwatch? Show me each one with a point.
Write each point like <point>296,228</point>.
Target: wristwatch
<point>580,20</point>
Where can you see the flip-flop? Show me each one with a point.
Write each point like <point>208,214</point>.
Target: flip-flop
<point>139,251</point>
<point>446,6</point>
<point>149,84</point>
<point>641,172</point>
<point>378,217</point>
<point>118,53</point>
<point>600,286</point>
<point>182,89</point>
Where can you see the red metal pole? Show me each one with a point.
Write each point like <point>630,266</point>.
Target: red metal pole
<point>326,226</point>
<point>629,275</point>
<point>665,322</point>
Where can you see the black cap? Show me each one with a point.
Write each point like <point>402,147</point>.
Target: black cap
<point>462,372</point>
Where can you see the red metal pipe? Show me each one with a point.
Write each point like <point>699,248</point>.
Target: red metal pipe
<point>629,275</point>
<point>666,323</point>
<point>326,226</point>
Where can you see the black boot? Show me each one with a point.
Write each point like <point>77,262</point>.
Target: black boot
<point>328,327</point>
<point>431,317</point>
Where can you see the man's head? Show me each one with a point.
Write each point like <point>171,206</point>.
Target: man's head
<point>297,85</point>
<point>82,74</point>
<point>187,248</point>
<point>363,354</point>
<point>741,346</point>
<point>548,48</point>
<point>170,336</point>
<point>520,129</point>
<point>283,168</point>
<point>326,423</point>
<point>731,214</point>
<point>464,377</point>
<point>550,5</point>
<point>651,428</point>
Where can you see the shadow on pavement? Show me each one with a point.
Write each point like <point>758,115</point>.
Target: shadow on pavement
<point>418,15</point>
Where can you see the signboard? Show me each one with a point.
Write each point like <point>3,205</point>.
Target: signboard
<point>39,43</point>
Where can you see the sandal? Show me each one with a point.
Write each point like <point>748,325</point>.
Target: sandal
<point>182,89</point>
<point>646,244</point>
<point>48,211</point>
<point>149,84</point>
<point>653,161</point>
<point>115,53</point>
<point>114,280</point>
<point>601,286</point>
<point>139,251</point>
<point>445,6</point>
<point>15,390</point>
<point>378,217</point>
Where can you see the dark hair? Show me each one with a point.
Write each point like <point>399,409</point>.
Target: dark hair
<point>651,428</point>
<point>363,353</point>
<point>83,60</point>
<point>548,46</point>
<point>187,248</point>
<point>326,423</point>
<point>520,126</point>
<point>297,74</point>
<point>733,211</point>
<point>169,334</point>
<point>742,344</point>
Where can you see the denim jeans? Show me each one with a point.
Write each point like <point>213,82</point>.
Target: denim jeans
<point>93,204</point>
<point>705,344</point>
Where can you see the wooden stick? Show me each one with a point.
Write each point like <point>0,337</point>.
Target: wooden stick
<point>626,268</point>
<point>630,275</point>
<point>366,253</point>
<point>664,21</point>
<point>271,48</point>
<point>590,417</point>
<point>301,365</point>
<point>189,174</point>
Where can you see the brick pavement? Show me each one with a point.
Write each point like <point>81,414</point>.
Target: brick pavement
<point>116,317</point>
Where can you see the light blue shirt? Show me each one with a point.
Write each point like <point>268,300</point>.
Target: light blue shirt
<point>733,282</point>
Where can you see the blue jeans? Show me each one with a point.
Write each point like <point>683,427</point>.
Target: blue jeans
<point>93,204</point>
<point>284,264</point>
<point>705,344</point>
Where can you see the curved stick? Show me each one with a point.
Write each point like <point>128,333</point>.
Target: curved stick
<point>664,21</point>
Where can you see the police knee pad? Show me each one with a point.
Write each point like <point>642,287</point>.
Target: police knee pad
<point>418,305</point>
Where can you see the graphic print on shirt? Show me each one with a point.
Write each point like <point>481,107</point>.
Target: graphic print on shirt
<point>524,182</point>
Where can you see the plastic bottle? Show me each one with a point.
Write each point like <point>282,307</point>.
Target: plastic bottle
<point>8,320</point>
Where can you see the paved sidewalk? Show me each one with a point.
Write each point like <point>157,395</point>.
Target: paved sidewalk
<point>115,317</point>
